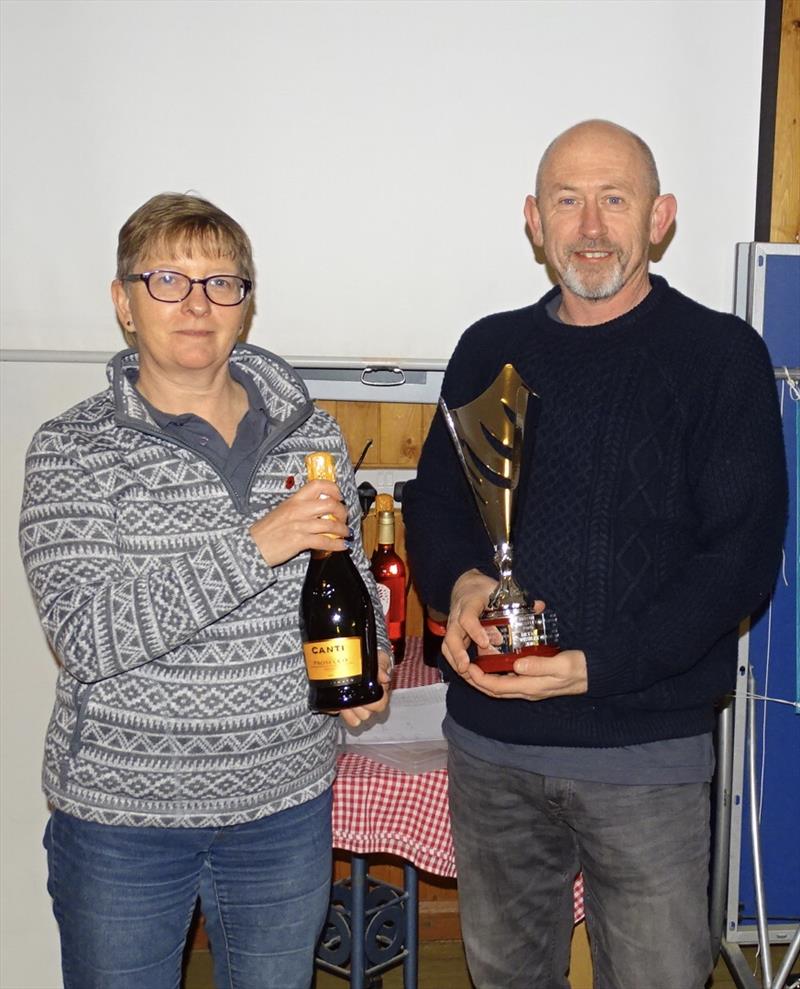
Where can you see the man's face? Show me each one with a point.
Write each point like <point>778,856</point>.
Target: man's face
<point>594,214</point>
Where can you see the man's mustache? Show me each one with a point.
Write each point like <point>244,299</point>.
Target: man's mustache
<point>593,245</point>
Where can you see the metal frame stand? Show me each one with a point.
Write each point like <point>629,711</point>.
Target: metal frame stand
<point>372,926</point>
<point>726,756</point>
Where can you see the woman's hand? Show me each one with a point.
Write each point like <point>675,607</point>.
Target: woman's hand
<point>354,716</point>
<point>305,520</point>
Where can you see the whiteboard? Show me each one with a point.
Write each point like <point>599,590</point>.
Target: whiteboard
<point>770,275</point>
<point>378,153</point>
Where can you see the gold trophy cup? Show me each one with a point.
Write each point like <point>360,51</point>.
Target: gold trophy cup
<point>488,436</point>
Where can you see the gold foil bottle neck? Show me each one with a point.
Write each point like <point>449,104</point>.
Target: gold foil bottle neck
<point>320,466</point>
<point>384,508</point>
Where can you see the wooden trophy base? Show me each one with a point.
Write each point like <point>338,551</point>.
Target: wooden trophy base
<point>503,662</point>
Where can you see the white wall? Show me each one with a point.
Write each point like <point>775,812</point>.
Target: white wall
<point>29,394</point>
<point>378,154</point>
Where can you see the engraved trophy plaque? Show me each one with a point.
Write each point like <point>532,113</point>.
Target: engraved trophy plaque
<point>488,436</point>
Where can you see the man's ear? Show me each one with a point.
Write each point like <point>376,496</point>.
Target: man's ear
<point>534,220</point>
<point>662,216</point>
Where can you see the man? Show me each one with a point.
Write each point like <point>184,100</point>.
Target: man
<point>650,517</point>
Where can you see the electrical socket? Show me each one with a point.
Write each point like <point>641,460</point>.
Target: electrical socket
<point>383,479</point>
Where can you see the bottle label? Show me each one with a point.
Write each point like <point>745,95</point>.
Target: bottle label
<point>334,659</point>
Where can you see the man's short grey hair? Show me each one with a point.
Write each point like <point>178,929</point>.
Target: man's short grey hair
<point>647,155</point>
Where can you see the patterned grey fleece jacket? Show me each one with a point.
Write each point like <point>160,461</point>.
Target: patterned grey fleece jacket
<point>181,698</point>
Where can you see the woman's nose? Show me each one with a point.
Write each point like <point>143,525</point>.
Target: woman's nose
<point>197,301</point>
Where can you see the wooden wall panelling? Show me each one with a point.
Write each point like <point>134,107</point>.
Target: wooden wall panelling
<point>359,422</point>
<point>785,215</point>
<point>428,412</point>
<point>397,430</point>
<point>401,433</point>
<point>414,609</point>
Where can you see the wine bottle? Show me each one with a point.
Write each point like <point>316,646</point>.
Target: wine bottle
<point>337,623</point>
<point>390,571</point>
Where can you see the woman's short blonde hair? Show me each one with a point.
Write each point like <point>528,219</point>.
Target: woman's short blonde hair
<point>175,222</point>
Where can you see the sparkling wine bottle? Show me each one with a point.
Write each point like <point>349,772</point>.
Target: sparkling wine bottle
<point>389,572</point>
<point>337,623</point>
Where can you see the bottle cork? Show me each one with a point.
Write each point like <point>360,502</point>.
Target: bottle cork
<point>384,503</point>
<point>319,466</point>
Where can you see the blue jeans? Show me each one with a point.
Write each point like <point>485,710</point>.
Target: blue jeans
<point>124,897</point>
<point>521,839</point>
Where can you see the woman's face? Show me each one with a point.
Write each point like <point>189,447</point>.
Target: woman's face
<point>173,338</point>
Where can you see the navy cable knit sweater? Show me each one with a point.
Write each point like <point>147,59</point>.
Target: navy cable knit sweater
<point>651,511</point>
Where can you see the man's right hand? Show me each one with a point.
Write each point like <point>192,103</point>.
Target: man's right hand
<point>471,593</point>
<point>306,520</point>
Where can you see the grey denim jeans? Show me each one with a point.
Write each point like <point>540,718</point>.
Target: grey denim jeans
<point>521,839</point>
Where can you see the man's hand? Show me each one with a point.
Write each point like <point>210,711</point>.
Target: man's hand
<point>354,716</point>
<point>471,593</point>
<point>535,677</point>
<point>303,521</point>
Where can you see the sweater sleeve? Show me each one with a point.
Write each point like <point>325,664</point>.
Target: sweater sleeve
<point>737,472</point>
<point>99,619</point>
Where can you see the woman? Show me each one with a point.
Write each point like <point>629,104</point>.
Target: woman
<point>166,550</point>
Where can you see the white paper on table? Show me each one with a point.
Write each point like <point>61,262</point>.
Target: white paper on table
<point>408,735</point>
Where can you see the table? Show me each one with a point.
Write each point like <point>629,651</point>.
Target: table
<point>372,926</point>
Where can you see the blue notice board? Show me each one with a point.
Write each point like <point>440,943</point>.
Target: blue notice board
<point>772,302</point>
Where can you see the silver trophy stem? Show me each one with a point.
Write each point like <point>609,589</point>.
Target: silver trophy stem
<point>508,592</point>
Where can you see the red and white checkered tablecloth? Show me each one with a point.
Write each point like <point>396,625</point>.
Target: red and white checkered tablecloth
<point>413,672</point>
<point>380,809</point>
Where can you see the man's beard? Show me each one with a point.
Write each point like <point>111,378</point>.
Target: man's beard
<point>593,285</point>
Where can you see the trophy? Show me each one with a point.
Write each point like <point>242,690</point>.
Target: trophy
<point>488,436</point>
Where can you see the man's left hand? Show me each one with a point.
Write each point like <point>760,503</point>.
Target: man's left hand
<point>535,677</point>
<point>354,716</point>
